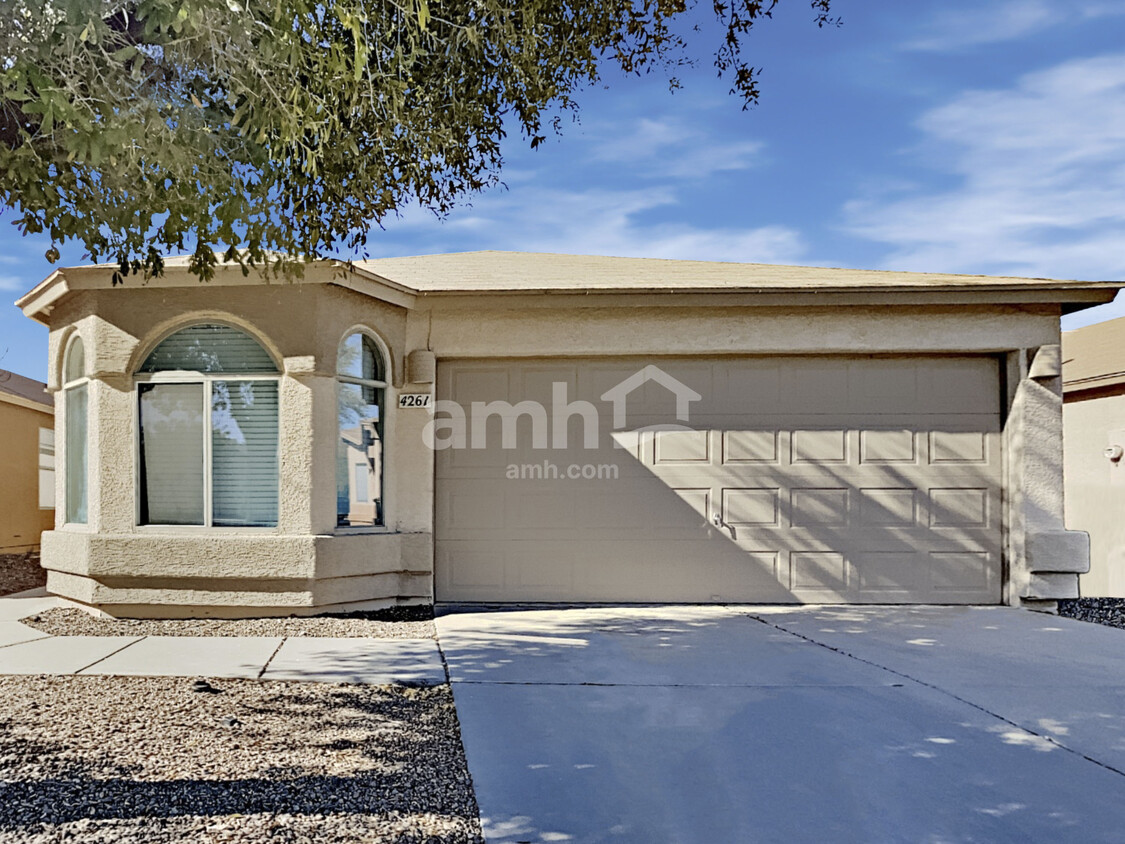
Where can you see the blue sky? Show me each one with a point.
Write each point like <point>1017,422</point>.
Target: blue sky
<point>974,137</point>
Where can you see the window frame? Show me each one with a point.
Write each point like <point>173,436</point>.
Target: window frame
<point>69,386</point>
<point>204,379</point>
<point>386,413</point>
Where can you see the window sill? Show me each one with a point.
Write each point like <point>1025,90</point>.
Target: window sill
<point>362,531</point>
<point>195,530</point>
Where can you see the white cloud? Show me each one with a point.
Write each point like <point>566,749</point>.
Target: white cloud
<point>1039,172</point>
<point>670,149</point>
<point>13,282</point>
<point>969,26</point>
<point>597,221</point>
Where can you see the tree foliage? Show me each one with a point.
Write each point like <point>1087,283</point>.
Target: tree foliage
<point>292,127</point>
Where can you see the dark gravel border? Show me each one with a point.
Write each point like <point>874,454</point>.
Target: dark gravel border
<point>1107,611</point>
<point>391,623</point>
<point>20,572</point>
<point>167,760</point>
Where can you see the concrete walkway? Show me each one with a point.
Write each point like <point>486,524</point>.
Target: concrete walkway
<point>708,724</point>
<point>24,650</point>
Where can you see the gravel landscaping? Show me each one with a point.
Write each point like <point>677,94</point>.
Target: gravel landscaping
<point>83,759</point>
<point>1107,611</point>
<point>393,623</point>
<point>19,572</point>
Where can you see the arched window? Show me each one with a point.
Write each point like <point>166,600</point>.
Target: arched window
<point>361,381</point>
<point>75,406</point>
<point>207,405</point>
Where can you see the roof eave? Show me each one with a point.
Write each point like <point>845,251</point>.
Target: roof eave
<point>22,401</point>
<point>38,302</point>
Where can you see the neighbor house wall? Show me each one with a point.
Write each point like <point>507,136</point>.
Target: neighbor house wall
<point>1095,488</point>
<point>21,519</point>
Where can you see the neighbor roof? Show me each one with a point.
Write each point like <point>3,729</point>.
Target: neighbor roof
<point>1094,357</point>
<point>25,391</point>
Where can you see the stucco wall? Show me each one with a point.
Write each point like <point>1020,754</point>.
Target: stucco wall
<point>1095,489</point>
<point>21,520</point>
<point>304,564</point>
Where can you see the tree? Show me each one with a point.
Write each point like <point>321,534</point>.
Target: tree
<point>291,127</point>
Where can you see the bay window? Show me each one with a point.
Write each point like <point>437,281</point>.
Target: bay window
<point>208,432</point>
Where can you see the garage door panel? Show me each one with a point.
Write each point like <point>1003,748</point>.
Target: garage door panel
<point>844,493</point>
<point>961,572</point>
<point>469,507</point>
<point>468,570</point>
<point>752,508</point>
<point>819,446</point>
<point>883,575</point>
<point>883,385</point>
<point>959,448</point>
<point>892,445</point>
<point>947,385</point>
<point>750,446</point>
<point>818,507</point>
<point>672,447</point>
<point>822,572</point>
<point>814,385</point>
<point>750,389</point>
<point>894,507</point>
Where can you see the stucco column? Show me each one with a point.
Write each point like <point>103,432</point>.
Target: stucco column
<point>307,480</point>
<point>1046,558</point>
<point>111,443</point>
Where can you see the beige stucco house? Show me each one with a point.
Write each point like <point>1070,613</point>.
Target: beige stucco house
<point>508,427</point>
<point>1094,425</point>
<point>27,466</point>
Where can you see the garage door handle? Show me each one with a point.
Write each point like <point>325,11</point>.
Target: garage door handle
<point>718,520</point>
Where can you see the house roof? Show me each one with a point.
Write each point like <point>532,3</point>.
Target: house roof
<point>1094,357</point>
<point>488,271</point>
<point>402,281</point>
<point>26,392</point>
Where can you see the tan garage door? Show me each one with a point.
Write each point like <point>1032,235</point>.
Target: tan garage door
<point>792,479</point>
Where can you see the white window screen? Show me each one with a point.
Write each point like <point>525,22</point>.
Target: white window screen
<point>172,454</point>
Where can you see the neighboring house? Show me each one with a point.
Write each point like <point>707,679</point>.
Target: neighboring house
<point>1094,429</point>
<point>510,427</point>
<point>27,468</point>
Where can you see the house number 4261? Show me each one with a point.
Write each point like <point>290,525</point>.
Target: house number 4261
<point>414,400</point>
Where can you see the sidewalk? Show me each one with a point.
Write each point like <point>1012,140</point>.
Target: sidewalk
<point>24,650</point>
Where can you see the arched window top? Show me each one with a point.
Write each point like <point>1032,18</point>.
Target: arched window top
<point>209,348</point>
<point>361,359</point>
<point>75,366</point>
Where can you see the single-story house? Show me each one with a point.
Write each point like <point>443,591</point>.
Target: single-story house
<point>515,427</point>
<point>1094,446</point>
<point>27,464</point>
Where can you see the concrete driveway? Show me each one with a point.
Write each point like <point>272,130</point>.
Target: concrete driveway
<point>740,724</point>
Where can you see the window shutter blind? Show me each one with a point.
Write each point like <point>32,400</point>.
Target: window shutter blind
<point>244,453</point>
